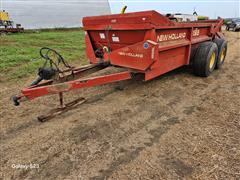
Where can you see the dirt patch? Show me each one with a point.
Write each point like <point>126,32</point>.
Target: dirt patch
<point>174,127</point>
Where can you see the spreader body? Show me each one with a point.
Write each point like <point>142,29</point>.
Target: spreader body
<point>145,42</point>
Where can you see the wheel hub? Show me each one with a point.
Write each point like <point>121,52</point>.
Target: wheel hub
<point>212,60</point>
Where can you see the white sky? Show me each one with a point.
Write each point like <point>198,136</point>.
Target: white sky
<point>60,13</point>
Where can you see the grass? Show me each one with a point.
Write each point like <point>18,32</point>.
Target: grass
<point>18,51</point>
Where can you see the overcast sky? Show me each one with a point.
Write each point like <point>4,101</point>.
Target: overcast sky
<point>68,13</point>
<point>211,8</point>
<point>53,13</point>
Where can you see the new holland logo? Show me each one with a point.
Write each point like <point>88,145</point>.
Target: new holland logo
<point>173,36</point>
<point>134,55</point>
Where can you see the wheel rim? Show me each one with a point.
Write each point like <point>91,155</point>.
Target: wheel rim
<point>212,60</point>
<point>222,56</point>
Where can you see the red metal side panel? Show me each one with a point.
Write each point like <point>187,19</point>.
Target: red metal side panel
<point>175,48</point>
<point>173,51</point>
<point>168,60</point>
<point>135,20</point>
<point>127,18</point>
<point>116,38</point>
<point>201,34</point>
<point>138,56</point>
<point>89,50</point>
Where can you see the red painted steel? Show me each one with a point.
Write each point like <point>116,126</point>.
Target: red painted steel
<point>142,42</point>
<point>147,42</point>
<point>37,91</point>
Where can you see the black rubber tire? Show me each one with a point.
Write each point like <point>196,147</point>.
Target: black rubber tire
<point>201,61</point>
<point>222,46</point>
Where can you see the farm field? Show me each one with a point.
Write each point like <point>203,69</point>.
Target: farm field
<point>177,126</point>
<point>20,52</point>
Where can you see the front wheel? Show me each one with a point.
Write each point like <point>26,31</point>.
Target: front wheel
<point>205,59</point>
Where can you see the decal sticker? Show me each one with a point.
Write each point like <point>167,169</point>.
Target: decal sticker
<point>196,32</point>
<point>135,55</point>
<point>115,39</point>
<point>113,21</point>
<point>102,35</point>
<point>145,45</point>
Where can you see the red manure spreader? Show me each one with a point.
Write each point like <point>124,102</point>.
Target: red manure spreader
<point>140,43</point>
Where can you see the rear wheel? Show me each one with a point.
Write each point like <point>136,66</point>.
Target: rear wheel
<point>222,51</point>
<point>205,59</point>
